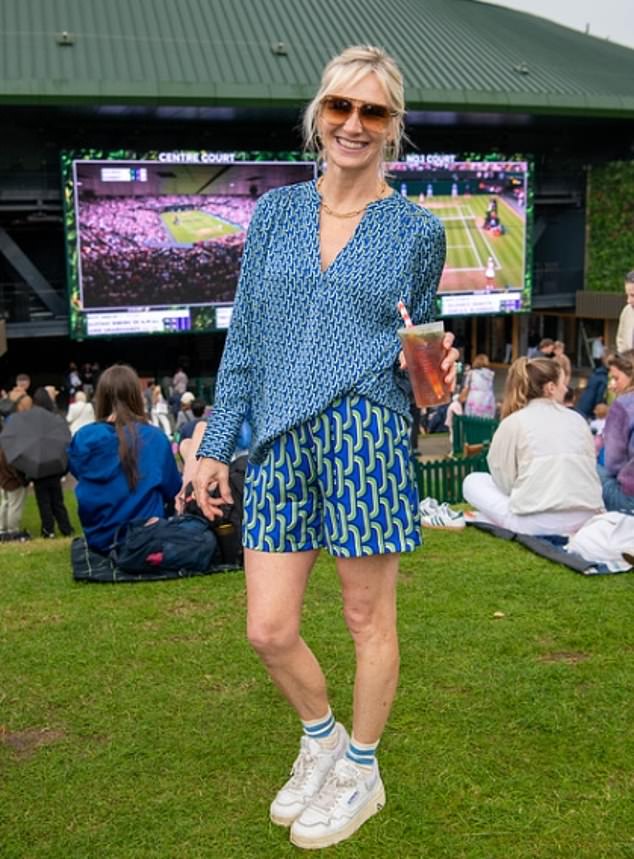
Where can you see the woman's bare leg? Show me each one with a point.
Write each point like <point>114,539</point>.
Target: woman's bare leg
<point>369,598</point>
<point>276,583</point>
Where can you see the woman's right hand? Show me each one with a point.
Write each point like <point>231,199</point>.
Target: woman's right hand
<point>211,474</point>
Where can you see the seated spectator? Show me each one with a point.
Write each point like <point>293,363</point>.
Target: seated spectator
<point>80,412</point>
<point>197,409</point>
<point>124,467</point>
<point>543,476</point>
<point>617,471</point>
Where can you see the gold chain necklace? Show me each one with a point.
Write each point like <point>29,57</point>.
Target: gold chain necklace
<point>354,212</point>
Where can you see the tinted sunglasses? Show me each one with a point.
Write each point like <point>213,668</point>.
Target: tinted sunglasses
<point>375,117</point>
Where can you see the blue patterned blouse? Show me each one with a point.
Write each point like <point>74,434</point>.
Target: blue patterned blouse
<point>300,337</point>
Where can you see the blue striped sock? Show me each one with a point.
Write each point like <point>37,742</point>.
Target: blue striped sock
<point>362,754</point>
<point>320,729</point>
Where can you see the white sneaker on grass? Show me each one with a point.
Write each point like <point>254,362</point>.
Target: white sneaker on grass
<point>346,800</point>
<point>440,516</point>
<point>308,773</point>
<point>428,506</point>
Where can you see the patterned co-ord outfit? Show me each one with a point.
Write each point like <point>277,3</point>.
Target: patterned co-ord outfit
<point>311,357</point>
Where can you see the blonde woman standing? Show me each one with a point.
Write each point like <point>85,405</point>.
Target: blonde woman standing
<point>313,357</point>
<point>543,476</point>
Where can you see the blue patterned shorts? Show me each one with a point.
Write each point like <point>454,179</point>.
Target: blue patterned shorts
<point>343,480</point>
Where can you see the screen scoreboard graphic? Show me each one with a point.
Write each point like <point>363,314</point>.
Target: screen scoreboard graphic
<point>155,240</point>
<point>485,205</point>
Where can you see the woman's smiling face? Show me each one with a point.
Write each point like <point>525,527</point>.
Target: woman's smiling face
<point>348,143</point>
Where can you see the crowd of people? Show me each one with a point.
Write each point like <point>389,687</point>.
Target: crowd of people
<point>595,452</point>
<point>172,416</point>
<point>129,257</point>
<point>570,442</point>
<point>328,412</point>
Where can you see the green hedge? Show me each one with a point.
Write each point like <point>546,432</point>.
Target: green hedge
<point>610,251</point>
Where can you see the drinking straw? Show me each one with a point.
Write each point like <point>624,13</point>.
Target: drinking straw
<point>404,314</point>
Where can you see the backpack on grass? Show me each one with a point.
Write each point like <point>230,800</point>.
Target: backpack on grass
<point>179,543</point>
<point>89,565</point>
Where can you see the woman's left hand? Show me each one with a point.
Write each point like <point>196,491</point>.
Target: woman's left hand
<point>449,362</point>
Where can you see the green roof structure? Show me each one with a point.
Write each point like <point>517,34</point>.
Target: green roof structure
<point>455,54</point>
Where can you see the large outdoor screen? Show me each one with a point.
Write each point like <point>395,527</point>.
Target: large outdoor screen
<point>155,241</point>
<point>485,204</point>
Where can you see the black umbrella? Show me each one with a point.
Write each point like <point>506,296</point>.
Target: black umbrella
<point>35,442</point>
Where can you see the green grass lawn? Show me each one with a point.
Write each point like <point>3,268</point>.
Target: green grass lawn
<point>192,226</point>
<point>135,721</point>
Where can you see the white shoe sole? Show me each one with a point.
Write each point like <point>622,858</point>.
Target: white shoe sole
<point>376,801</point>
<point>444,527</point>
<point>283,821</point>
<point>279,820</point>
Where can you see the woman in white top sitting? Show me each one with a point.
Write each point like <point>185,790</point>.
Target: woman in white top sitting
<point>543,476</point>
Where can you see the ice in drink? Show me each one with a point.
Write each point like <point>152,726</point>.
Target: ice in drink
<point>424,353</point>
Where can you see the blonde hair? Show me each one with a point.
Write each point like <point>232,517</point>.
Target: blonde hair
<point>526,380</point>
<point>480,361</point>
<point>347,69</point>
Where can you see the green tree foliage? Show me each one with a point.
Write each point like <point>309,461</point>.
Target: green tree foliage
<point>610,252</point>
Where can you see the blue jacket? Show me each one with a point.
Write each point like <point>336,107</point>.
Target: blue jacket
<point>104,499</point>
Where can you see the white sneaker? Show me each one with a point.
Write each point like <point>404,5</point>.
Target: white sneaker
<point>347,799</point>
<point>308,773</point>
<point>443,518</point>
<point>428,506</point>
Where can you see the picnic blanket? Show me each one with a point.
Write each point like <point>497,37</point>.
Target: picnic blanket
<point>551,546</point>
